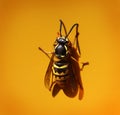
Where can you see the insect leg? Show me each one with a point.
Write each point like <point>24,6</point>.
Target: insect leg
<point>46,53</point>
<point>76,40</point>
<point>84,64</point>
<point>76,36</point>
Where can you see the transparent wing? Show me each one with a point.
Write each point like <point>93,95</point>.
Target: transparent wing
<point>76,72</point>
<point>71,88</point>
<point>55,89</point>
<point>48,76</point>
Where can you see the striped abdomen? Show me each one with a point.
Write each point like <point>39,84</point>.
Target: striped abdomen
<point>60,69</point>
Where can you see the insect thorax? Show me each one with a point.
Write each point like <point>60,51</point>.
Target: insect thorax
<point>61,47</point>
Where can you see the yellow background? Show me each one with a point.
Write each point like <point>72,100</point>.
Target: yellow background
<point>26,25</point>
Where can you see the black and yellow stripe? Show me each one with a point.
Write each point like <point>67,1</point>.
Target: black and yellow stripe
<point>60,69</point>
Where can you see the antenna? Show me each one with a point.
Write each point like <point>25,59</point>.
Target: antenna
<point>62,24</point>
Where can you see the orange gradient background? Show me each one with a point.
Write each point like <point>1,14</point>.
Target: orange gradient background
<point>26,25</point>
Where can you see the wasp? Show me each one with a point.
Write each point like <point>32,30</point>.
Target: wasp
<point>63,72</point>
